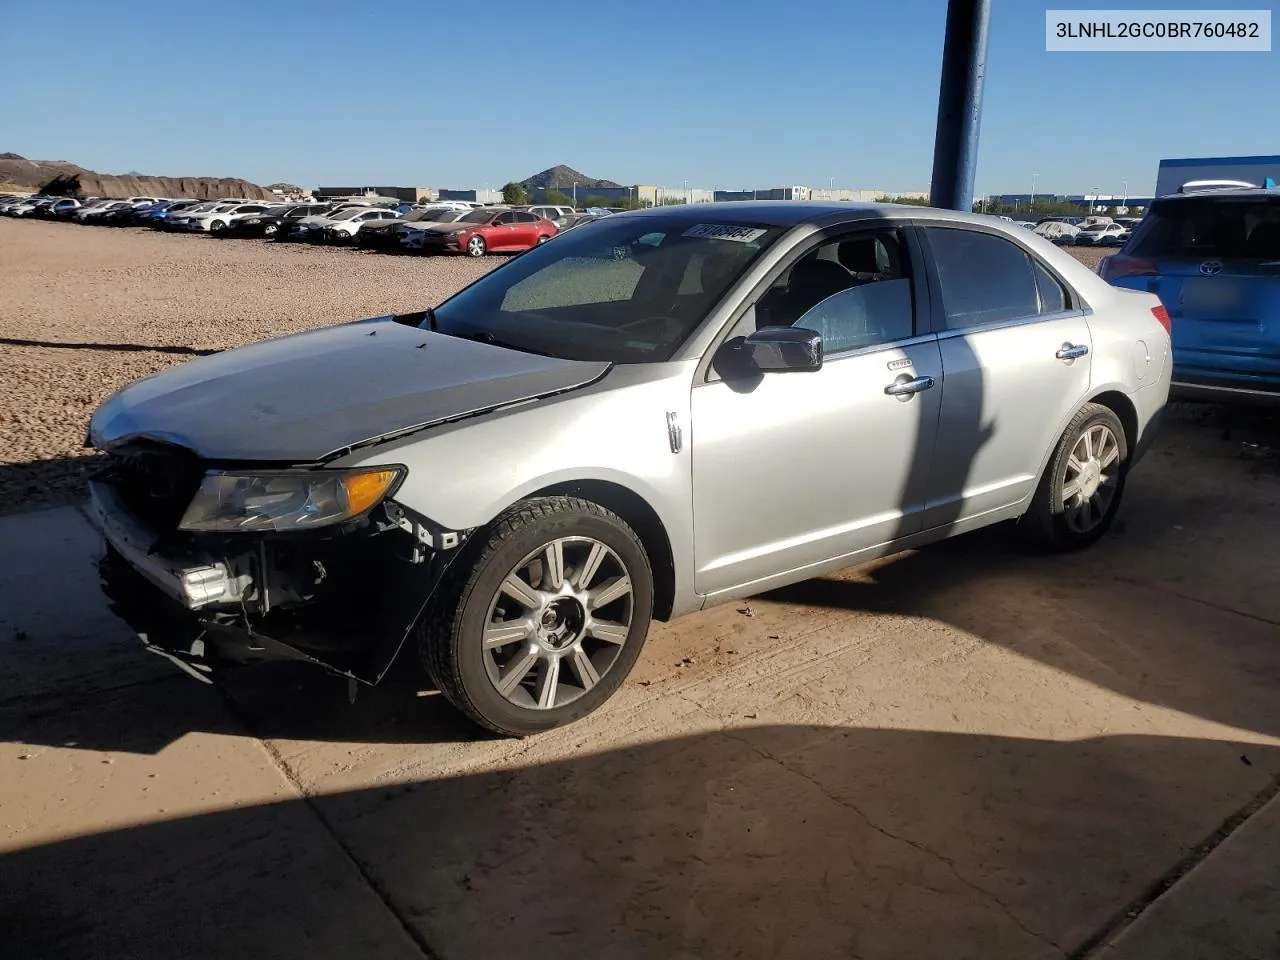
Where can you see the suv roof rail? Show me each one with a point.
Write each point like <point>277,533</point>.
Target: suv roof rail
<point>1216,185</point>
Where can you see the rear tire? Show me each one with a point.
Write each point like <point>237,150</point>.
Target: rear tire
<point>1080,493</point>
<point>543,618</point>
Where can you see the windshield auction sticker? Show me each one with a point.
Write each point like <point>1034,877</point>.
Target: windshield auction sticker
<point>1122,31</point>
<point>725,231</point>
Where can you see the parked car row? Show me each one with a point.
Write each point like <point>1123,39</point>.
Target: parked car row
<point>443,227</point>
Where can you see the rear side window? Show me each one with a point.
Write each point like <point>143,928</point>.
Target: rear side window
<point>1203,227</point>
<point>1053,297</point>
<point>985,279</point>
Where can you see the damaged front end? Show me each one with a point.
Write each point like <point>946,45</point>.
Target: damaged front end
<point>307,572</point>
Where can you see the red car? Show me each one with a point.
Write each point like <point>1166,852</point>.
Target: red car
<point>488,231</point>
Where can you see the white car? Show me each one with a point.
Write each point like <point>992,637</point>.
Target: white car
<point>1103,235</point>
<point>8,206</point>
<point>216,220</point>
<point>25,208</point>
<point>307,227</point>
<point>345,230</point>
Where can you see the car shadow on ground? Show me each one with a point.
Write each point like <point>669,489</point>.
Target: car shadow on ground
<point>769,842</point>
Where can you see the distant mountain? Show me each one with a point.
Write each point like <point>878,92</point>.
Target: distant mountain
<point>76,180</point>
<point>561,177</point>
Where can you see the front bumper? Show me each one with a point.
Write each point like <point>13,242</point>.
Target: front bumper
<point>346,603</point>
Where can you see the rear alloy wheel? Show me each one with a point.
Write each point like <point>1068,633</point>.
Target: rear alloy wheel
<point>476,247</point>
<point>545,621</point>
<point>1080,492</point>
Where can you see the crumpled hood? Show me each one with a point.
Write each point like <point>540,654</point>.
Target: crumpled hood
<point>310,396</point>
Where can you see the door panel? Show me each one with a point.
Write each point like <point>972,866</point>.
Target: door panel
<point>805,467</point>
<point>1005,399</point>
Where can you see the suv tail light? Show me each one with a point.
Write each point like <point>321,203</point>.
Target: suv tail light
<point>1162,315</point>
<point>1120,265</point>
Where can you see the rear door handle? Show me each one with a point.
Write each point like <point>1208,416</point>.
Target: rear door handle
<point>906,385</point>
<point>1071,351</point>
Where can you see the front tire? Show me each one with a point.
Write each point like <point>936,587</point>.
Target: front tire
<point>476,247</point>
<point>1080,493</point>
<point>217,226</point>
<point>544,619</point>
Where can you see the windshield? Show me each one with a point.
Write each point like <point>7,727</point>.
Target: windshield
<point>1236,227</point>
<point>478,216</point>
<point>348,214</point>
<point>630,290</point>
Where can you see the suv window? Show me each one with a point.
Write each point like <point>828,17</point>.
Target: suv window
<point>984,278</point>
<point>1202,227</point>
<point>854,290</point>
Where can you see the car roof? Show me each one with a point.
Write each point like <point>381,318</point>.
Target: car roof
<point>790,213</point>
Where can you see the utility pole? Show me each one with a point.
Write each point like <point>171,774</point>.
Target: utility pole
<point>964,67</point>
<point>1032,208</point>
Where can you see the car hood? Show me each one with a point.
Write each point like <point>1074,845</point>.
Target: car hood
<point>311,396</point>
<point>450,227</point>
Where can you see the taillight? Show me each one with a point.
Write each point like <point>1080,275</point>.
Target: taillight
<point>1119,265</point>
<point>1162,315</point>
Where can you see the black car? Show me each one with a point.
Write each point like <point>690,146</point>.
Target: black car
<point>385,234</point>
<point>268,224</point>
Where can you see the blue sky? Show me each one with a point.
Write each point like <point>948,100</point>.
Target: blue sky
<point>729,93</point>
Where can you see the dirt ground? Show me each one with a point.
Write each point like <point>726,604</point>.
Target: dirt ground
<point>960,752</point>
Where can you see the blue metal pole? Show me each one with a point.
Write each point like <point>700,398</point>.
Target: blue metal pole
<point>964,66</point>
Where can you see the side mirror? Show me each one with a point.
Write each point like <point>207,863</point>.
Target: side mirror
<point>772,350</point>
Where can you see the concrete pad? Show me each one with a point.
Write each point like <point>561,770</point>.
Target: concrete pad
<point>1227,908</point>
<point>57,636</point>
<point>116,854</point>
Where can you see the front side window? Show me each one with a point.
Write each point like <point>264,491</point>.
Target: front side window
<point>985,278</point>
<point>853,290</point>
<point>629,290</point>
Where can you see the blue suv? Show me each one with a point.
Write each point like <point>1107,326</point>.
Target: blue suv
<point>1213,258</point>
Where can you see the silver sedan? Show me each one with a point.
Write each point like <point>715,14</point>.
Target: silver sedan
<point>668,410</point>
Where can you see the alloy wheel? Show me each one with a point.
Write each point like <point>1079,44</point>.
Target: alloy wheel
<point>558,623</point>
<point>1091,479</point>
<point>475,246</point>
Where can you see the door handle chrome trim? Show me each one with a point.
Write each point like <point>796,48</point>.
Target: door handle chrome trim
<point>1072,351</point>
<point>906,385</point>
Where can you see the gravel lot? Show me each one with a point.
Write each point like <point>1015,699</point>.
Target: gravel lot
<point>84,311</point>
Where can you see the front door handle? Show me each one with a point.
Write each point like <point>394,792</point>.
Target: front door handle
<point>906,385</point>
<point>1071,351</point>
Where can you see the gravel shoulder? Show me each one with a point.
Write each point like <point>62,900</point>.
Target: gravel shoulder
<point>85,310</point>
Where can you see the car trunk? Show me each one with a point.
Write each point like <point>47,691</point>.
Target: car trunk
<point>1215,264</point>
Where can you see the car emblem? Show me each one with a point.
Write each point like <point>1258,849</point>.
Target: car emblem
<point>1211,268</point>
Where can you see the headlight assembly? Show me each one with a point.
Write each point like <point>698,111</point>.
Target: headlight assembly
<point>254,502</point>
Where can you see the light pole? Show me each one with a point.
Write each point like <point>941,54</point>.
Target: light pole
<point>1032,208</point>
<point>831,188</point>
<point>1093,200</point>
<point>575,194</point>
<point>688,198</point>
<point>1124,202</point>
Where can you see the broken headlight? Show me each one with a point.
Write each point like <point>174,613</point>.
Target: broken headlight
<point>252,502</point>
